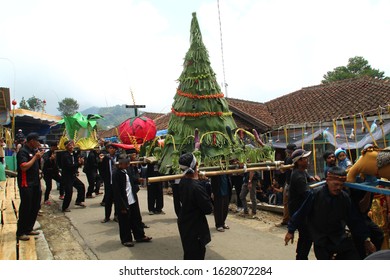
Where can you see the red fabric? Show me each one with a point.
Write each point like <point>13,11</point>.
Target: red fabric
<point>123,146</point>
<point>141,128</point>
<point>24,176</point>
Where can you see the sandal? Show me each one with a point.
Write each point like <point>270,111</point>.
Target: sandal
<point>82,204</point>
<point>144,239</point>
<point>226,227</point>
<point>128,244</point>
<point>220,229</point>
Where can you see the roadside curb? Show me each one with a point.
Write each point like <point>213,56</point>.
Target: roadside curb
<point>41,245</point>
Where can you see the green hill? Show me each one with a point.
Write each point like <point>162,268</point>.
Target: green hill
<point>113,116</point>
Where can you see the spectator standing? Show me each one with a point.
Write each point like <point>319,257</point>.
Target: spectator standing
<point>221,189</point>
<point>250,181</point>
<point>330,161</point>
<point>237,182</point>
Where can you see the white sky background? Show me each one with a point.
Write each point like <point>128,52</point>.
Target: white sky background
<point>95,51</point>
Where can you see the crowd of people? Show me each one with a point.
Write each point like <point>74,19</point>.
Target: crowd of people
<point>330,218</point>
<point>103,165</point>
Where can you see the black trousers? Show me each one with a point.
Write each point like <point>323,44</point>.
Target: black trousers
<point>194,251</point>
<point>108,200</point>
<point>376,236</point>
<point>176,199</point>
<point>304,242</point>
<point>94,182</point>
<point>130,224</point>
<point>49,184</point>
<point>344,251</point>
<point>155,197</point>
<point>68,184</point>
<point>221,209</point>
<point>30,202</point>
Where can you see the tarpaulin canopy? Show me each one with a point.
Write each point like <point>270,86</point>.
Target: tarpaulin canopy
<point>350,140</point>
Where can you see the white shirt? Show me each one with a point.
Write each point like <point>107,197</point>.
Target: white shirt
<point>130,196</point>
<point>111,163</point>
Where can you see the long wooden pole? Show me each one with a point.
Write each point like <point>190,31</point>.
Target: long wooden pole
<point>219,172</point>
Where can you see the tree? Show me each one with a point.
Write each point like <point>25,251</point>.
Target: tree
<point>198,104</point>
<point>68,106</point>
<point>36,104</point>
<point>33,104</point>
<point>357,67</point>
<point>23,104</point>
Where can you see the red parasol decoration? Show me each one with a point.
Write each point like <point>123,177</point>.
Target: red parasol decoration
<point>140,129</point>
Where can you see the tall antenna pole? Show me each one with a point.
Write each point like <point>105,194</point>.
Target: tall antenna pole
<point>223,61</point>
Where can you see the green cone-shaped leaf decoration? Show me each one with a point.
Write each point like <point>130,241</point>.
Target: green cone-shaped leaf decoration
<point>198,104</point>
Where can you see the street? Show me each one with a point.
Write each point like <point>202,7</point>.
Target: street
<point>247,239</point>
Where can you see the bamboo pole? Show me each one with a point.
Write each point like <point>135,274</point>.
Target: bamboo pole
<point>237,166</point>
<point>219,172</point>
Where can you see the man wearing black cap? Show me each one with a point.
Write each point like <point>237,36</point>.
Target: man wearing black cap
<point>28,161</point>
<point>297,194</point>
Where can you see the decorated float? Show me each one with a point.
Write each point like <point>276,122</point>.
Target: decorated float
<point>81,129</point>
<point>201,123</point>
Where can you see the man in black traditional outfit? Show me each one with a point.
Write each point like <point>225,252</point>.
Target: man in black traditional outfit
<point>126,205</point>
<point>196,204</point>
<point>328,210</point>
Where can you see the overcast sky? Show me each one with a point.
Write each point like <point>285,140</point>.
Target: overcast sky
<point>96,51</point>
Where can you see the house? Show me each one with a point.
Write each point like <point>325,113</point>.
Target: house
<point>317,118</point>
<point>349,113</point>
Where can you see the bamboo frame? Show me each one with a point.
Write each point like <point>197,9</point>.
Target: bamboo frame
<point>220,172</point>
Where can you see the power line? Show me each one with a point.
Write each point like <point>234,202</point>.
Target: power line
<point>223,60</point>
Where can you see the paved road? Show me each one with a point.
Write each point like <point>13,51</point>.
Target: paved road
<point>246,239</point>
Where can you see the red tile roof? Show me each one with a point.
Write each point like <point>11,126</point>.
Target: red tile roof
<point>257,113</point>
<point>162,121</point>
<point>329,101</point>
<point>152,116</point>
